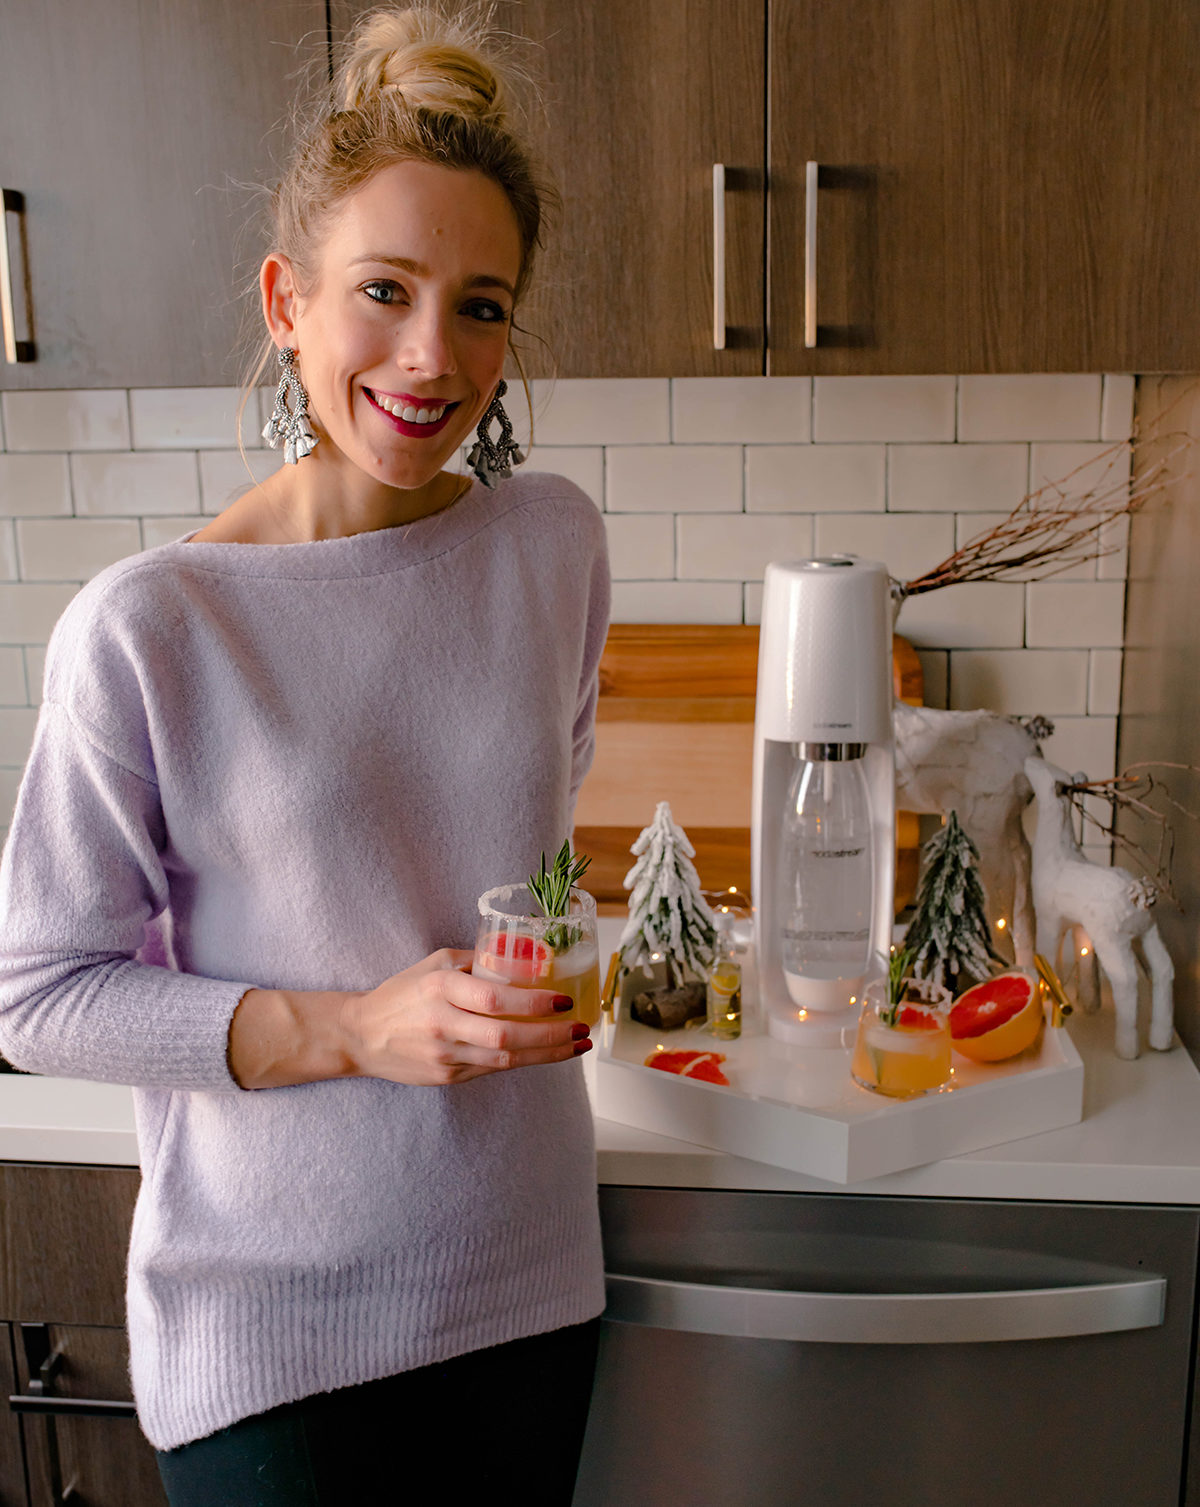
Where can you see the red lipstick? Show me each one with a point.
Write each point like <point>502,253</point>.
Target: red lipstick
<point>405,426</point>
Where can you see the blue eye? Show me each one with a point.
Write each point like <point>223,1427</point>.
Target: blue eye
<point>386,288</point>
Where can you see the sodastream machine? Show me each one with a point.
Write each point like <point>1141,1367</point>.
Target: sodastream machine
<point>824,796</point>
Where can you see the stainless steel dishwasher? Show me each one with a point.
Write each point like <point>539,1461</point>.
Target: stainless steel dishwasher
<point>771,1349</point>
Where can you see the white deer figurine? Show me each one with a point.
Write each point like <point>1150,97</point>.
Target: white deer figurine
<point>1111,904</point>
<point>974,763</point>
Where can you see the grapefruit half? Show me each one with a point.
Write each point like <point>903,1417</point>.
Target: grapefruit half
<point>998,1018</point>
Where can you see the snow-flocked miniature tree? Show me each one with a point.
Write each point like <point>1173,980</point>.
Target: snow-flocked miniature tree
<point>948,938</point>
<point>667,912</point>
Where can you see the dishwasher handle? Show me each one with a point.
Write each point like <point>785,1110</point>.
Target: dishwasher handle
<point>938,1318</point>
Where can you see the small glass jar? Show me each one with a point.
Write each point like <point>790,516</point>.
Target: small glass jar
<point>905,1053</point>
<point>724,984</point>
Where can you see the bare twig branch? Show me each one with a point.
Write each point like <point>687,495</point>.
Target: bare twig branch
<point>1131,791</point>
<point>1056,527</point>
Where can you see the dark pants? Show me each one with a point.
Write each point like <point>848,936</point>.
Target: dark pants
<point>502,1425</point>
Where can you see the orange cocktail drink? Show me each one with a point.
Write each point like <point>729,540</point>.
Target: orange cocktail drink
<point>515,944</point>
<point>906,1052</point>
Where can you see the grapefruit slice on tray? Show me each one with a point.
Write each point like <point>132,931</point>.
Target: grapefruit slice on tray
<point>998,1018</point>
<point>703,1065</point>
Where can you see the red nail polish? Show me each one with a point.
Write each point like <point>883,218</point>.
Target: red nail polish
<point>581,1047</point>
<point>579,1031</point>
<point>562,1002</point>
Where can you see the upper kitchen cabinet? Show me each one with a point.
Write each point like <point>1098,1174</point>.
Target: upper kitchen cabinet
<point>1002,185</point>
<point>641,101</point>
<point>134,134</point>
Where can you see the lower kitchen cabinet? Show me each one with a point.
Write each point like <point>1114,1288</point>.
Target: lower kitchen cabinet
<point>68,1433</point>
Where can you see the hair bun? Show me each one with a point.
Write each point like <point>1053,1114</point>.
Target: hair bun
<point>434,62</point>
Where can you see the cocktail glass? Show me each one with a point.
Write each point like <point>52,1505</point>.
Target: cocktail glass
<point>909,1056</point>
<point>515,943</point>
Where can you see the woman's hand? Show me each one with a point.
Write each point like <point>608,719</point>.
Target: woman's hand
<point>432,1024</point>
<point>435,1024</point>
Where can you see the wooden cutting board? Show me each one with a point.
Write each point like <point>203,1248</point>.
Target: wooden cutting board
<point>675,722</point>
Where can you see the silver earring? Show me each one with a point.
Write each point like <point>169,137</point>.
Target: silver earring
<point>493,460</point>
<point>289,427</point>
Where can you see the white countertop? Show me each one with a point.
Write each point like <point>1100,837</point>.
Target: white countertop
<point>1138,1142</point>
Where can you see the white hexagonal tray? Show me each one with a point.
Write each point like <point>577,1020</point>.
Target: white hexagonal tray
<point>798,1107</point>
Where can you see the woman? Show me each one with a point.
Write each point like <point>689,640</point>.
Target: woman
<point>276,765</point>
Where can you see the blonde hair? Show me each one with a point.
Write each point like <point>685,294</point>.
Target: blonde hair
<point>414,84</point>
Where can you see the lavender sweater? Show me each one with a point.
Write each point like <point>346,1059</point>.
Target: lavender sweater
<point>297,766</point>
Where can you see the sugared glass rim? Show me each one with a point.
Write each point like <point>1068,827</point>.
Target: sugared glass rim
<point>580,904</point>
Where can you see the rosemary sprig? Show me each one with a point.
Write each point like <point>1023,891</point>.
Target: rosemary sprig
<point>898,965</point>
<point>551,888</point>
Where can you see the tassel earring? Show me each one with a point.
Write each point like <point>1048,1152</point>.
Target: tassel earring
<point>493,460</point>
<point>289,427</point>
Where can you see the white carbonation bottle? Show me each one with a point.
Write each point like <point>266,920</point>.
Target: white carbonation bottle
<point>826,888</point>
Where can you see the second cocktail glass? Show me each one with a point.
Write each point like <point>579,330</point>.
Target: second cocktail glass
<point>516,944</point>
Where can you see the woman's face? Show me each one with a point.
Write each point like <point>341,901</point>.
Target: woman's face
<point>401,340</point>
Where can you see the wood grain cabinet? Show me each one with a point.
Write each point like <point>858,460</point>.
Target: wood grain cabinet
<point>68,1431</point>
<point>131,133</point>
<point>640,102</point>
<point>1002,186</point>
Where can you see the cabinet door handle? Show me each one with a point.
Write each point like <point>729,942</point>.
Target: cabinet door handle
<point>811,171</point>
<point>72,1407</point>
<point>14,350</point>
<point>937,1318</point>
<point>718,200</point>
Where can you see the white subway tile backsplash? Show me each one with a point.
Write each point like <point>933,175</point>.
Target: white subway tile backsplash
<point>156,531</point>
<point>28,611</point>
<point>10,783</point>
<point>1073,471</point>
<point>815,478</point>
<point>703,481</point>
<point>191,418</point>
<point>676,602</point>
<point>904,409</point>
<point>982,615</point>
<point>1029,407</point>
<point>1019,682</point>
<point>739,547</point>
<point>1087,744</point>
<point>74,549</point>
<point>1116,407</point>
<point>935,668</point>
<point>582,464</point>
<point>35,671</point>
<point>224,474</point>
<point>641,546</point>
<point>13,688</point>
<point>908,544</point>
<point>956,478</point>
<point>130,485</point>
<point>34,485</point>
<point>16,734</point>
<point>1075,614</point>
<point>601,411</point>
<point>70,419</point>
<point>741,410</point>
<point>672,478</point>
<point>1112,563</point>
<point>1104,682</point>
